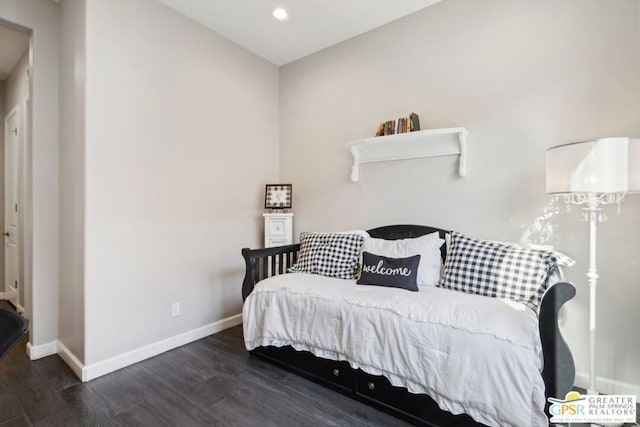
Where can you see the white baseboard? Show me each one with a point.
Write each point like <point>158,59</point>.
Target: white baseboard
<point>70,359</point>
<point>95,370</point>
<point>43,350</point>
<point>19,309</point>
<point>2,295</point>
<point>607,385</point>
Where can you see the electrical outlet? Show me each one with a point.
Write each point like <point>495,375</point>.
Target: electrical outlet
<point>175,309</point>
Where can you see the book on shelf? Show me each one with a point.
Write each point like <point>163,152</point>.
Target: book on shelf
<point>415,122</point>
<point>405,125</point>
<point>388,127</point>
<point>402,125</point>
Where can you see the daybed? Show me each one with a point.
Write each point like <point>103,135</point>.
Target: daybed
<point>435,357</point>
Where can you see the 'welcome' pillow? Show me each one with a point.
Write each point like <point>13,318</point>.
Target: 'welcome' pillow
<point>390,272</point>
<point>427,246</point>
<point>329,254</point>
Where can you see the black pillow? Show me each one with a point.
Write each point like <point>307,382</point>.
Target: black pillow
<point>390,272</point>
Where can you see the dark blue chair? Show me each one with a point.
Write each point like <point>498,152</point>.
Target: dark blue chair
<point>12,328</point>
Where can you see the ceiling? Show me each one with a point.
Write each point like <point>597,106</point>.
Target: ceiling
<point>13,44</point>
<point>312,24</point>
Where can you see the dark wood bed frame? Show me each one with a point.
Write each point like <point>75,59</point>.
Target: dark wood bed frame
<point>558,373</point>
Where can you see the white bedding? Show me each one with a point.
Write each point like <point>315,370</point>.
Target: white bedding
<point>471,354</point>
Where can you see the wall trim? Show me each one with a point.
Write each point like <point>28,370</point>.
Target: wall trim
<point>98,369</point>
<point>70,359</point>
<point>43,350</point>
<point>606,385</point>
<point>2,295</point>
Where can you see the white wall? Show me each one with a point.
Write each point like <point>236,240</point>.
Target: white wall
<point>181,136</point>
<point>42,153</point>
<point>3,114</point>
<point>522,77</point>
<point>72,185</point>
<point>17,92</point>
<point>17,85</point>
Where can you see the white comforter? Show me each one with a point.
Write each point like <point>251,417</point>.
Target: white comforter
<point>471,354</point>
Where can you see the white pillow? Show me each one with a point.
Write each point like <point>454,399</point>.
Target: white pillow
<point>427,246</point>
<point>362,233</point>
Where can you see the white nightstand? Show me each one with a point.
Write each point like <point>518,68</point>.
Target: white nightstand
<point>278,229</point>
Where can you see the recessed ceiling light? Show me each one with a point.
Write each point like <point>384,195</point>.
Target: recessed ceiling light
<point>280,14</point>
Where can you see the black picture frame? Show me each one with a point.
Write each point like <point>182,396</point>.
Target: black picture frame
<point>278,196</point>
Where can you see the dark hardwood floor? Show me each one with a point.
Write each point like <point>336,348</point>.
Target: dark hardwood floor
<point>211,382</point>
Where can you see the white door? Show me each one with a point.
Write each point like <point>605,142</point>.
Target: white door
<point>11,162</point>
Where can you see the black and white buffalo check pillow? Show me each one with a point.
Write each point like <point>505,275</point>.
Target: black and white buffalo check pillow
<point>329,254</point>
<point>496,270</point>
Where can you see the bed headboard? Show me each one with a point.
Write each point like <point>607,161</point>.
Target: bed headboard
<point>395,232</point>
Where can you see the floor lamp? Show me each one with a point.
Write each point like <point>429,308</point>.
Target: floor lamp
<point>593,174</point>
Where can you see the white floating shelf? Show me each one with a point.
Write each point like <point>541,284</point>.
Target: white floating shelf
<point>410,145</point>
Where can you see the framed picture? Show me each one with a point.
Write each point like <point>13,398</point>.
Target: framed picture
<point>278,196</point>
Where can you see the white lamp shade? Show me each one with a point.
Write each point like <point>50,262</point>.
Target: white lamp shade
<point>607,165</point>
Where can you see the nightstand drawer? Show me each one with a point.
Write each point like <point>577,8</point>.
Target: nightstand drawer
<point>278,227</point>
<point>277,242</point>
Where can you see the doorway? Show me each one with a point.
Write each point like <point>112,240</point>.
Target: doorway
<point>13,131</point>
<point>15,83</point>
